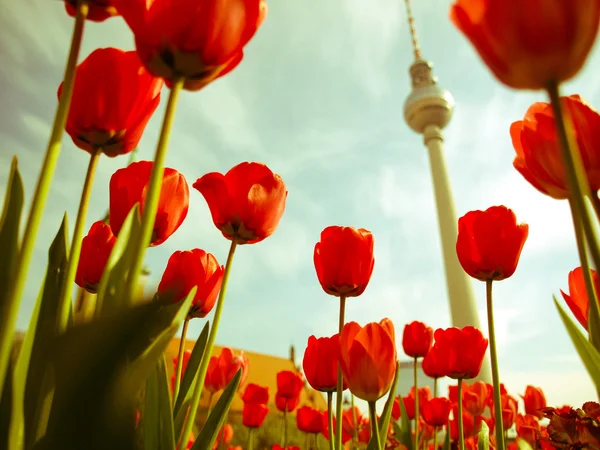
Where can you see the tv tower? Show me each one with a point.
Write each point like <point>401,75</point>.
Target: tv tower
<point>427,110</point>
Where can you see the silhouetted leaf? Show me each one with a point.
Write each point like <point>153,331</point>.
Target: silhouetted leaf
<point>404,430</point>
<point>157,420</point>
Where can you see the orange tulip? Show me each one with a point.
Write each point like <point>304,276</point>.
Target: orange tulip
<point>222,369</point>
<point>529,44</point>
<point>368,358</point>
<point>474,398</point>
<point>98,10</point>
<point>489,243</point>
<point>95,251</point>
<point>538,156</point>
<point>246,203</point>
<point>534,400</point>
<point>344,260</point>
<point>577,300</point>
<point>527,428</point>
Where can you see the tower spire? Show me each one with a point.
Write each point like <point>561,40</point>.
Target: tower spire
<point>413,30</point>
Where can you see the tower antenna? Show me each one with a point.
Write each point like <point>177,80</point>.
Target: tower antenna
<point>413,30</point>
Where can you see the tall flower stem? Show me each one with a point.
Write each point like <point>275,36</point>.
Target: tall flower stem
<point>340,381</point>
<point>285,427</point>
<point>374,427</point>
<point>250,444</point>
<point>330,418</point>
<point>65,301</point>
<point>316,438</point>
<point>179,368</point>
<point>435,432</point>
<point>495,373</point>
<point>435,383</point>
<point>576,178</point>
<point>354,424</point>
<point>461,436</point>
<point>9,314</point>
<point>416,385</point>
<point>154,188</point>
<point>201,376</point>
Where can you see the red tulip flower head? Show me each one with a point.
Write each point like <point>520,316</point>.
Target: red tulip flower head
<point>489,243</point>
<point>344,260</point>
<point>255,410</point>
<point>98,10</point>
<point>308,420</point>
<point>528,45</point>
<point>199,40</point>
<point>222,369</point>
<point>577,300</point>
<point>534,400</point>
<point>432,364</point>
<point>246,203</point>
<point>320,363</point>
<point>527,428</point>
<point>256,394</point>
<point>289,387</point>
<point>474,398</point>
<point>129,186</point>
<point>461,351</point>
<point>95,251</point>
<point>538,156</point>
<point>436,411</point>
<point>368,358</point>
<point>417,339</point>
<point>188,269</point>
<point>114,97</point>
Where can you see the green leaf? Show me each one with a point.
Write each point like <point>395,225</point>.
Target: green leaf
<point>483,438</point>
<point>216,419</point>
<point>157,420</point>
<point>404,430</point>
<point>6,401</point>
<point>100,374</point>
<point>111,291</point>
<point>588,354</point>
<point>185,391</point>
<point>447,440</point>
<point>384,422</point>
<point>523,444</point>
<point>9,232</point>
<point>41,329</point>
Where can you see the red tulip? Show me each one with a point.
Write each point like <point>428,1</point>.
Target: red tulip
<point>527,427</point>
<point>468,424</point>
<point>256,394</point>
<point>538,155</point>
<point>254,414</point>
<point>308,420</point>
<point>325,424</point>
<point>409,400</point>
<point>396,410</point>
<point>351,419</point>
<point>474,398</point>
<point>320,363</point>
<point>98,10</point>
<point>364,431</point>
<point>489,243</point>
<point>578,300</point>
<point>128,186</point>
<point>246,203</point>
<point>344,260</point>
<point>368,358</point>
<point>188,269</point>
<point>528,45</point>
<point>186,359</point>
<point>199,40</point>
<point>289,387</point>
<point>431,364</point>
<point>286,404</point>
<point>461,351</point>
<point>95,251</point>
<point>534,400</point>
<point>417,339</point>
<point>290,447</point>
<point>113,100</point>
<point>224,437</point>
<point>509,411</point>
<point>435,412</point>
<point>222,369</point>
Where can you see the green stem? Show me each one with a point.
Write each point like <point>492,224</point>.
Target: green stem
<point>250,445</point>
<point>374,427</point>
<point>19,276</point>
<point>461,437</point>
<point>189,423</point>
<point>179,368</point>
<point>154,189</point>
<point>316,441</point>
<point>415,382</point>
<point>330,418</point>
<point>340,381</point>
<point>65,301</point>
<point>435,387</point>
<point>495,372</point>
<point>354,424</point>
<point>435,432</point>
<point>285,427</point>
<point>576,178</point>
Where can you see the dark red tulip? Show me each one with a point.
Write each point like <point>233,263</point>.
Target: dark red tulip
<point>188,269</point>
<point>308,420</point>
<point>489,243</point>
<point>417,339</point>
<point>199,40</point>
<point>577,300</point>
<point>246,203</point>
<point>222,369</point>
<point>95,251</point>
<point>129,186</point>
<point>98,10</point>
<point>344,260</point>
<point>320,363</point>
<point>435,412</point>
<point>461,351</point>
<point>114,97</point>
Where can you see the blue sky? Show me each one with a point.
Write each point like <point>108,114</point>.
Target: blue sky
<point>319,99</point>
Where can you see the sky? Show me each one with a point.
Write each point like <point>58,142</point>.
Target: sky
<point>319,99</point>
